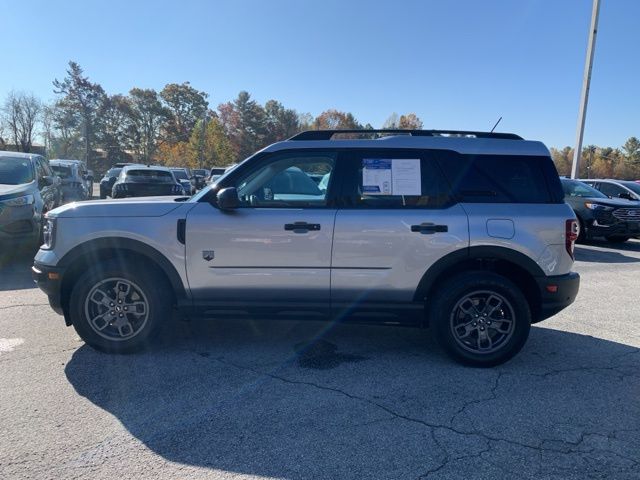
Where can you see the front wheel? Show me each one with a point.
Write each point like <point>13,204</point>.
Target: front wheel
<point>481,318</point>
<point>118,307</point>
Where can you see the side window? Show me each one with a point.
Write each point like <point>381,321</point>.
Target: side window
<point>610,189</point>
<point>288,180</point>
<point>387,179</point>
<point>40,169</point>
<point>499,178</point>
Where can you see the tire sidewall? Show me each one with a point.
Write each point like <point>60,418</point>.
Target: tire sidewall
<point>160,305</point>
<point>461,285</point>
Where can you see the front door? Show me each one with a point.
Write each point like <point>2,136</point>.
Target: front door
<point>274,251</point>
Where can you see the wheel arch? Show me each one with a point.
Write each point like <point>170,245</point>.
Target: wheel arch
<point>83,256</point>
<point>515,266</point>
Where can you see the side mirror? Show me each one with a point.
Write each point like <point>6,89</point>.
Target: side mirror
<point>48,181</point>
<point>228,199</point>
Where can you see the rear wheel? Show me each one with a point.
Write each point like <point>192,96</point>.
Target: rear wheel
<point>481,318</point>
<point>617,238</point>
<point>118,307</point>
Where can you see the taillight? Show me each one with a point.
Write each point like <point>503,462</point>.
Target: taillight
<point>571,232</point>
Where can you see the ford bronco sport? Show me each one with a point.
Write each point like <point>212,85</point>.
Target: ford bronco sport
<point>466,232</point>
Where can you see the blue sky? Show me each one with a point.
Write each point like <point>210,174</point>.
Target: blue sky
<point>457,63</point>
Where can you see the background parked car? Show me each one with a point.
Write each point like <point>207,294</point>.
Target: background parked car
<point>200,176</point>
<point>184,177</point>
<point>28,189</point>
<point>600,216</point>
<point>109,178</point>
<point>77,184</point>
<point>617,188</point>
<point>144,181</point>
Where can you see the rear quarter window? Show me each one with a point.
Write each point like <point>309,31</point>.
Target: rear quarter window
<point>503,179</point>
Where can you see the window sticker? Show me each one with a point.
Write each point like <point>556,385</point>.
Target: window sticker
<point>383,176</point>
<point>376,176</point>
<point>406,178</point>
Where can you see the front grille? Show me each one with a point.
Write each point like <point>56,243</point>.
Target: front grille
<point>627,214</point>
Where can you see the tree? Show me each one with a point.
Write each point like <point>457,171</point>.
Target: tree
<point>82,99</point>
<point>410,121</point>
<point>21,112</point>
<point>632,150</point>
<point>148,117</point>
<point>244,121</point>
<point>187,106</point>
<point>114,127</point>
<point>281,122</point>
<point>392,122</point>
<point>178,154</point>
<point>335,120</point>
<point>215,147</point>
<point>563,159</point>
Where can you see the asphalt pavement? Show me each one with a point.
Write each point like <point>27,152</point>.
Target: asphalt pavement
<point>296,400</point>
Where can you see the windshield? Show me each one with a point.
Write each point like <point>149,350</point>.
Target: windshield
<point>114,172</point>
<point>62,171</point>
<point>156,176</point>
<point>633,186</point>
<point>574,188</point>
<point>199,172</point>
<point>180,174</point>
<point>14,171</point>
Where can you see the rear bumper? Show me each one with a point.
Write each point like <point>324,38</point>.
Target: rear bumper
<point>556,294</point>
<point>49,280</point>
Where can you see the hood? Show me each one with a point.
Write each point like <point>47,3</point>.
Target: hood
<point>124,207</point>
<point>8,191</point>
<point>612,202</point>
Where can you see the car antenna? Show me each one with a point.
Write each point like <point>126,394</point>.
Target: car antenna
<point>494,127</point>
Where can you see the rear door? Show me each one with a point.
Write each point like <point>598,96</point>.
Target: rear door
<point>274,252</point>
<point>396,219</point>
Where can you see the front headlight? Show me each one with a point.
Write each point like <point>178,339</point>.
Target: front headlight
<point>597,206</point>
<point>19,201</point>
<point>48,233</point>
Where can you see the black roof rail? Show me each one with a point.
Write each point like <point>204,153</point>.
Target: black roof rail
<point>328,134</point>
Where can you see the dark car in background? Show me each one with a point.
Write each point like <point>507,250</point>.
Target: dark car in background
<point>110,177</point>
<point>76,182</point>
<point>146,181</point>
<point>200,177</point>
<point>185,178</point>
<point>625,189</point>
<point>600,216</point>
<point>28,189</point>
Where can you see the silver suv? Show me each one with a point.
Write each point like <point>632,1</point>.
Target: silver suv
<point>466,232</point>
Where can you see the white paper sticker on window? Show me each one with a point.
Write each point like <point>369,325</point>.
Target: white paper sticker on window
<point>383,176</point>
<point>405,175</point>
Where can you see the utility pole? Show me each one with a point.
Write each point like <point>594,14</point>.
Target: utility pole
<point>586,81</point>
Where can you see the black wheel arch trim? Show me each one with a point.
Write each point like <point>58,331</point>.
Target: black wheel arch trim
<point>452,259</point>
<point>131,245</point>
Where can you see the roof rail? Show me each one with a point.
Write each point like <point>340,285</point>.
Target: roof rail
<point>328,134</point>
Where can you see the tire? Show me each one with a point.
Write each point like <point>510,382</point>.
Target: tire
<point>115,327</point>
<point>617,238</point>
<point>459,294</point>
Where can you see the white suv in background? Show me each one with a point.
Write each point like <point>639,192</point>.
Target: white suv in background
<point>466,232</point>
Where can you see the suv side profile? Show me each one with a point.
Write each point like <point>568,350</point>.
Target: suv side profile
<point>466,232</point>
<point>624,189</point>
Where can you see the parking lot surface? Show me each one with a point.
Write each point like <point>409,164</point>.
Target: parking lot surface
<point>245,399</point>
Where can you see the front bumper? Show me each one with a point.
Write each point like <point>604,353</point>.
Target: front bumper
<point>556,294</point>
<point>49,280</point>
<point>19,225</point>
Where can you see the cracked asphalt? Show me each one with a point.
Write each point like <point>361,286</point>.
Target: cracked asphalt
<point>297,400</point>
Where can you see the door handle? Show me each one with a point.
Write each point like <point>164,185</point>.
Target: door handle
<point>429,228</point>
<point>301,227</point>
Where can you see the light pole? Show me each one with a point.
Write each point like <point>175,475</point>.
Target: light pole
<point>586,81</point>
